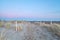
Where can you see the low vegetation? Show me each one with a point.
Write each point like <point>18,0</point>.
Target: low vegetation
<point>1,24</point>
<point>33,29</point>
<point>53,28</point>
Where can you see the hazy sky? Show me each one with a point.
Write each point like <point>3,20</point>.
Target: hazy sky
<point>30,8</point>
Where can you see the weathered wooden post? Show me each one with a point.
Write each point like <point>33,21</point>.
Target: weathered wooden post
<point>16,25</point>
<point>51,22</point>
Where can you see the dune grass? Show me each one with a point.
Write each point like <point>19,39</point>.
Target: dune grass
<point>54,28</point>
<point>1,24</point>
<point>7,25</point>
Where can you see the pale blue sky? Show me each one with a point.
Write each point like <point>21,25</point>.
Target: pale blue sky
<point>30,8</point>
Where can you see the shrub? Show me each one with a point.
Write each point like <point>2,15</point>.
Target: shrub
<point>8,25</point>
<point>1,24</point>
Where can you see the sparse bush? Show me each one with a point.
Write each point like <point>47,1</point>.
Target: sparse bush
<point>55,29</point>
<point>1,24</point>
<point>19,28</point>
<point>8,25</point>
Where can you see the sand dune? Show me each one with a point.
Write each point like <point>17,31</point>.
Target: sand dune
<point>29,31</point>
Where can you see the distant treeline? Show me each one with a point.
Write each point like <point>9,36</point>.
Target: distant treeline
<point>58,22</point>
<point>47,22</point>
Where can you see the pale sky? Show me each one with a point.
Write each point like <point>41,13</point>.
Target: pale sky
<point>30,8</point>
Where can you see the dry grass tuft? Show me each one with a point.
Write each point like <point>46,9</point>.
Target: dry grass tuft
<point>1,24</point>
<point>55,29</point>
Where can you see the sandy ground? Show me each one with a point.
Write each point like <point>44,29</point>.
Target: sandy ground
<point>28,31</point>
